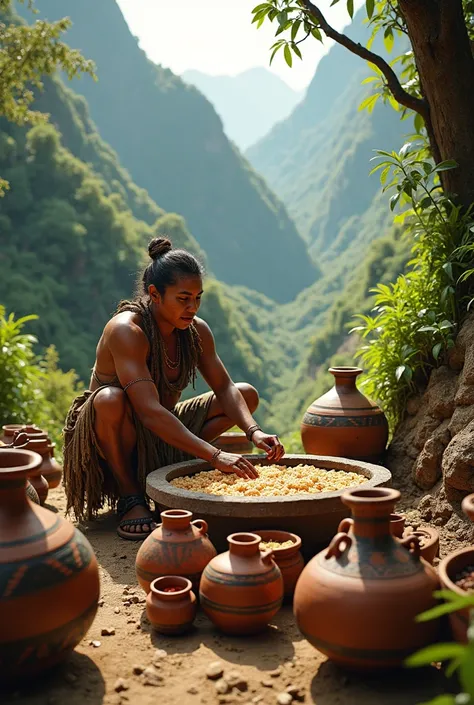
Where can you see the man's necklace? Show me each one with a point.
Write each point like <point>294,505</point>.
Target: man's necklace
<point>168,361</point>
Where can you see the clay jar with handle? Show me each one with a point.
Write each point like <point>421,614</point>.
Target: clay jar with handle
<point>288,559</point>
<point>9,431</point>
<point>50,468</point>
<point>397,525</point>
<point>242,589</point>
<point>49,577</point>
<point>449,570</point>
<point>20,440</point>
<point>38,444</point>
<point>343,422</point>
<point>171,612</point>
<point>178,546</point>
<point>357,600</point>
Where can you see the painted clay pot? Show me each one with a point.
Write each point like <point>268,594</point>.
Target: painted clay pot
<point>242,589</point>
<point>343,422</point>
<point>449,568</point>
<point>18,440</point>
<point>397,525</point>
<point>357,600</point>
<point>289,559</point>
<point>49,578</point>
<point>178,546</point>
<point>50,468</point>
<point>171,612</point>
<point>234,442</point>
<point>9,431</point>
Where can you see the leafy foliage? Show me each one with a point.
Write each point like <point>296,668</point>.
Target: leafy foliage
<point>459,656</point>
<point>27,54</point>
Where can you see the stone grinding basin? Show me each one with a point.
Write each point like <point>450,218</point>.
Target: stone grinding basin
<point>313,517</point>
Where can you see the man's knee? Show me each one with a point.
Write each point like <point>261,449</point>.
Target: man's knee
<point>250,395</point>
<point>111,404</point>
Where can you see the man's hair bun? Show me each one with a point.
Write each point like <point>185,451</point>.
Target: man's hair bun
<point>158,247</point>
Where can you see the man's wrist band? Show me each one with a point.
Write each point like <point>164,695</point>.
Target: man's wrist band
<point>215,455</point>
<point>251,430</point>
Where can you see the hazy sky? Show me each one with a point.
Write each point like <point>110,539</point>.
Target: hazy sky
<point>217,37</point>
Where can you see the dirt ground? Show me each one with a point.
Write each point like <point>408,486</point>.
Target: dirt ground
<point>133,665</point>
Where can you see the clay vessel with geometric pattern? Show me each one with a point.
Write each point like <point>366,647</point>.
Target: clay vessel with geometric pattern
<point>178,546</point>
<point>357,600</point>
<point>49,577</point>
<point>343,422</point>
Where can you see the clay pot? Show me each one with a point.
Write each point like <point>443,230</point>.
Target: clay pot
<point>241,589</point>
<point>289,560</point>
<point>171,612</point>
<point>50,468</point>
<point>343,422</point>
<point>8,432</point>
<point>49,578</point>
<point>449,568</point>
<point>397,525</point>
<point>19,440</point>
<point>178,546</point>
<point>38,444</point>
<point>357,600</point>
<point>234,442</point>
<point>429,538</point>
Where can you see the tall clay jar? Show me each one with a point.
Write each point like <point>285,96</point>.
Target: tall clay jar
<point>178,546</point>
<point>242,589</point>
<point>357,600</point>
<point>49,578</point>
<point>38,444</point>
<point>171,605</point>
<point>343,422</point>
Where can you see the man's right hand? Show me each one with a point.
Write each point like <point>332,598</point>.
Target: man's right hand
<point>230,462</point>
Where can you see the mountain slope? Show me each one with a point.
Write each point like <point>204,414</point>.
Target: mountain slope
<point>318,160</point>
<point>249,104</point>
<point>171,140</point>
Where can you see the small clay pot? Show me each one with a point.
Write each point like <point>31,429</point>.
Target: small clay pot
<point>9,431</point>
<point>397,525</point>
<point>343,422</point>
<point>37,444</point>
<point>234,442</point>
<point>242,589</point>
<point>178,546</point>
<point>171,612</point>
<point>429,538</point>
<point>50,468</point>
<point>289,559</point>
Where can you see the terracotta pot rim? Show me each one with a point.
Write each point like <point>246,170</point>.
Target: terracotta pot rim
<point>170,581</point>
<point>12,427</point>
<point>376,495</point>
<point>280,533</point>
<point>244,538</point>
<point>443,569</point>
<point>28,458</point>
<point>176,514</point>
<point>394,516</point>
<point>348,370</point>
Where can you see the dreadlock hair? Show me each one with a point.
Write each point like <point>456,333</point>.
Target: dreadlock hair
<point>165,269</point>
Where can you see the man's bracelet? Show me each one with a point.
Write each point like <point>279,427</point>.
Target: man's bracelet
<point>251,430</point>
<point>215,455</point>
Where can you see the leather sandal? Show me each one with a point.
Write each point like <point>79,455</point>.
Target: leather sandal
<point>124,505</point>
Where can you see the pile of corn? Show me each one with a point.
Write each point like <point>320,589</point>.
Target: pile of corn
<point>273,480</point>
<point>265,545</point>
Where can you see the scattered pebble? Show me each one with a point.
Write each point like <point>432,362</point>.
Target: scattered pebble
<point>275,673</point>
<point>159,653</point>
<point>135,599</point>
<point>131,621</point>
<point>221,686</point>
<point>138,669</point>
<point>122,557</point>
<point>215,670</point>
<point>95,643</point>
<point>192,690</point>
<point>117,610</point>
<point>284,699</point>
<point>266,683</point>
<point>236,680</point>
<point>127,603</point>
<point>295,692</point>
<point>152,677</point>
<point>120,685</point>
<point>107,631</point>
<point>101,603</point>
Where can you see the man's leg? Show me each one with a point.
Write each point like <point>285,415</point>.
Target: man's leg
<point>117,439</point>
<point>217,422</point>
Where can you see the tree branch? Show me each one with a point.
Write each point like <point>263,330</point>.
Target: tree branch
<point>399,93</point>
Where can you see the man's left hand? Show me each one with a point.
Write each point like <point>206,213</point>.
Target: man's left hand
<point>271,444</point>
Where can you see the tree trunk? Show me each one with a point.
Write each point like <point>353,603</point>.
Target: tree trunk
<point>445,63</point>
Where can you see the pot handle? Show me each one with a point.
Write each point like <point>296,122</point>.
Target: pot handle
<point>345,526</point>
<point>411,542</point>
<point>201,525</point>
<point>20,440</point>
<point>334,548</point>
<point>267,556</point>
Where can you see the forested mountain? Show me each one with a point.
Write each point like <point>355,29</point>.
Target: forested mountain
<point>250,104</point>
<point>318,160</point>
<point>172,142</point>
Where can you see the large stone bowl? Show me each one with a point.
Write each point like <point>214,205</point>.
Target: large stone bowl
<point>313,517</point>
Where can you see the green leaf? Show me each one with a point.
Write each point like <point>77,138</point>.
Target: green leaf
<point>295,28</point>
<point>350,8</point>
<point>419,123</point>
<point>388,39</point>
<point>317,34</point>
<point>436,350</point>
<point>369,103</point>
<point>446,165</point>
<point>441,700</point>
<point>434,654</point>
<point>394,200</point>
<point>288,56</point>
<point>446,608</point>
<point>369,6</point>
<point>262,6</point>
<point>296,50</point>
<point>400,371</point>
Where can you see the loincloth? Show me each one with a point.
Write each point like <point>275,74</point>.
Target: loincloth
<point>88,480</point>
